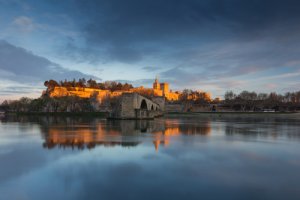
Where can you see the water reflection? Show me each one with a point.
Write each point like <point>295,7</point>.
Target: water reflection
<point>87,133</point>
<point>128,133</point>
<point>209,157</point>
<point>263,127</point>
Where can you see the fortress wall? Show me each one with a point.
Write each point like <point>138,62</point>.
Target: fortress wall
<point>163,91</point>
<point>59,91</point>
<point>158,92</point>
<point>172,96</point>
<point>76,91</point>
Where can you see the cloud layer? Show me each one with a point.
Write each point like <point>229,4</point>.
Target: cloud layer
<point>142,28</point>
<point>19,66</point>
<point>191,43</point>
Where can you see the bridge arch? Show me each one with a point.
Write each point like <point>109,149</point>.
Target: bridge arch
<point>152,107</point>
<point>144,105</point>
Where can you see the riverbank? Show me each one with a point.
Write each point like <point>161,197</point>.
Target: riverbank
<point>233,114</point>
<point>168,114</point>
<point>67,114</point>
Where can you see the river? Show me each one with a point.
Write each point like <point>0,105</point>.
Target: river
<point>196,157</point>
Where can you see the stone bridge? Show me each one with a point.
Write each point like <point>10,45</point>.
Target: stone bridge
<point>135,106</point>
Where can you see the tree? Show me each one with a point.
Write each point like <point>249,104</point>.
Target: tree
<point>127,86</point>
<point>113,86</point>
<point>185,95</point>
<point>119,86</point>
<point>101,86</point>
<point>92,84</point>
<point>5,105</point>
<point>249,96</point>
<point>262,96</point>
<point>51,84</point>
<point>229,95</point>
<point>81,83</point>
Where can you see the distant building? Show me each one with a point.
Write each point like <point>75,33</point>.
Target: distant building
<point>156,85</point>
<point>159,89</point>
<point>162,89</point>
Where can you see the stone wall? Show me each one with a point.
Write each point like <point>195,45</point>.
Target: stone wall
<point>80,92</point>
<point>101,94</point>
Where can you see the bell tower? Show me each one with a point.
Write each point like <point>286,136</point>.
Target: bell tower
<point>156,85</point>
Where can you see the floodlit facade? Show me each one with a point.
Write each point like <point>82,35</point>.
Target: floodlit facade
<point>159,89</point>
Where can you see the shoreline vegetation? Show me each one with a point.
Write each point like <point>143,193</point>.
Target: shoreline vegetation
<point>171,115</point>
<point>67,114</point>
<point>105,114</point>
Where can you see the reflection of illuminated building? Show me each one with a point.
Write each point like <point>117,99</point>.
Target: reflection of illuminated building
<point>90,136</point>
<point>82,138</point>
<point>173,128</point>
<point>127,133</point>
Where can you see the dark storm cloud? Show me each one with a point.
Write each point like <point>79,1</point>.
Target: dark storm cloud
<point>19,65</point>
<point>129,31</point>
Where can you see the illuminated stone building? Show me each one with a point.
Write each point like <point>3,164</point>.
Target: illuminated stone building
<point>159,89</point>
<point>162,89</point>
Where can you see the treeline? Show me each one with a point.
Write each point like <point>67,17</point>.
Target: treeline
<point>108,85</point>
<point>252,101</point>
<point>193,96</point>
<point>56,104</point>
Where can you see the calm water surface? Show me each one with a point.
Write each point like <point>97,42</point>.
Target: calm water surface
<point>59,158</point>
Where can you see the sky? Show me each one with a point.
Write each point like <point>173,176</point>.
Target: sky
<point>208,45</point>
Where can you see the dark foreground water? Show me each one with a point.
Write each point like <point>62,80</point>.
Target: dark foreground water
<point>206,157</point>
